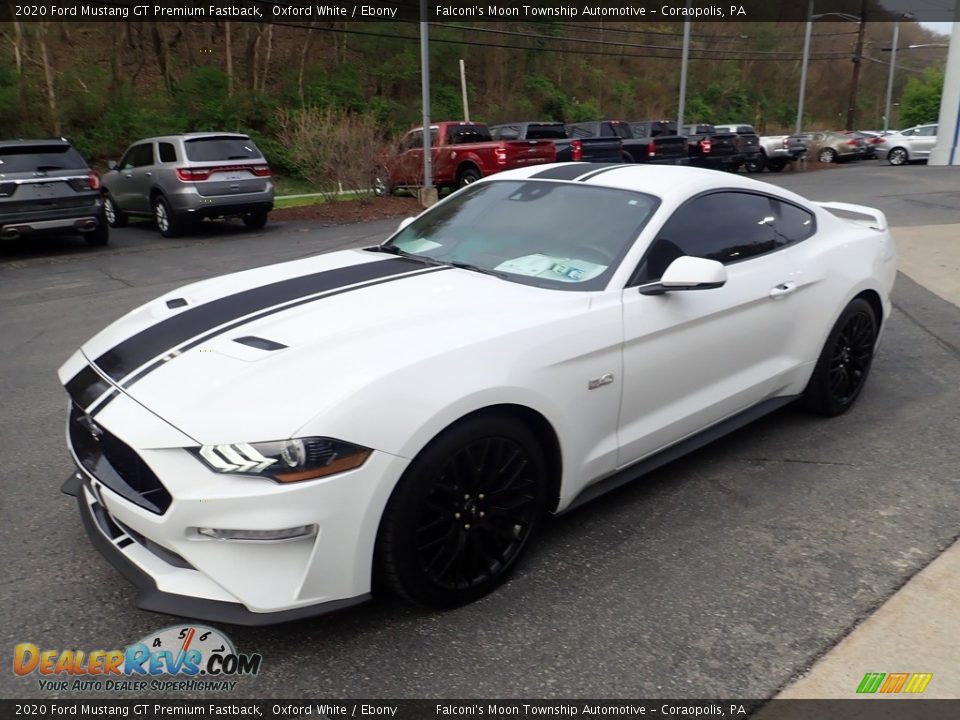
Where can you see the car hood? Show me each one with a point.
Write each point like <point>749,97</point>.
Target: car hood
<point>256,355</point>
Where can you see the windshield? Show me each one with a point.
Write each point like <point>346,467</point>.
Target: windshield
<point>554,235</point>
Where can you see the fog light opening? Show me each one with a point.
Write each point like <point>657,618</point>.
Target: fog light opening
<point>292,533</point>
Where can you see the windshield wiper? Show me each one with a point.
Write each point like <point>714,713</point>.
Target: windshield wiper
<point>474,268</point>
<point>394,250</point>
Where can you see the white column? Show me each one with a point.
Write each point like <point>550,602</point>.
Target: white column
<point>946,151</point>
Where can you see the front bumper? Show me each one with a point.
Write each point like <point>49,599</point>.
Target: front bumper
<point>111,540</point>
<point>178,571</point>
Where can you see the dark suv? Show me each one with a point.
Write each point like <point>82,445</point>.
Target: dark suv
<point>47,187</point>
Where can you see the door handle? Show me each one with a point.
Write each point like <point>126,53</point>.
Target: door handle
<point>782,290</point>
<point>129,175</point>
<point>148,174</point>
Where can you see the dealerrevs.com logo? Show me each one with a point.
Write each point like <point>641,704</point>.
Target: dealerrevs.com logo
<point>196,656</point>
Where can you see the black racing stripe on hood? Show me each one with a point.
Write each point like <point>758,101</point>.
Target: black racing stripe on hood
<point>567,171</point>
<point>272,311</point>
<point>601,169</point>
<point>168,334</point>
<point>86,386</point>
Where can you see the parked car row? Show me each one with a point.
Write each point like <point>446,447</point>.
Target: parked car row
<point>463,152</point>
<point>46,186</point>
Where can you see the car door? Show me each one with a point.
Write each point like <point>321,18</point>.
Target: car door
<point>693,358</point>
<point>136,178</point>
<point>923,142</point>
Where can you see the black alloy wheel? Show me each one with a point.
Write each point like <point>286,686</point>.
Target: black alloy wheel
<point>463,513</point>
<point>845,361</point>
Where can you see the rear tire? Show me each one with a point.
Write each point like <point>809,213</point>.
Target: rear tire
<point>827,155</point>
<point>100,236</point>
<point>168,224</point>
<point>468,176</point>
<point>755,164</point>
<point>463,512</point>
<point>255,220</point>
<point>844,363</point>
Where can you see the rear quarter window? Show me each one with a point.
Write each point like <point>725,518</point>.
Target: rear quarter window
<point>221,148</point>
<point>40,158</point>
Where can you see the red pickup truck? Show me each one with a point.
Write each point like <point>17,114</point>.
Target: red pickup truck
<point>463,152</point>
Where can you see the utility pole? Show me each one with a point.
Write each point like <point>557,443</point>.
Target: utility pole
<point>893,65</point>
<point>857,61</point>
<point>684,61</point>
<point>803,67</point>
<point>425,83</point>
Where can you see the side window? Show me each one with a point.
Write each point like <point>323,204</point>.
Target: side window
<point>411,141</point>
<point>723,226</point>
<point>606,130</point>
<point>930,131</point>
<point>143,155</point>
<point>793,224</point>
<point>168,154</point>
<point>909,133</point>
<point>579,131</point>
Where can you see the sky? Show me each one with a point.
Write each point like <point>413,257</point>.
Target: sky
<point>944,28</point>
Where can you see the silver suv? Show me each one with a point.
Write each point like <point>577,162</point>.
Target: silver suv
<point>178,179</point>
<point>47,187</point>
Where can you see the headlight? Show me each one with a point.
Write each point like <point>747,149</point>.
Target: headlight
<point>285,460</point>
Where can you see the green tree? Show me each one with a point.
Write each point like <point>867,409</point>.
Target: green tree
<point>920,102</point>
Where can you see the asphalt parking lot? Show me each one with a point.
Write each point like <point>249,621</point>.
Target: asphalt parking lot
<point>725,574</point>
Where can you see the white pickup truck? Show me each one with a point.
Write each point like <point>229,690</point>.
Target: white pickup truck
<point>776,151</point>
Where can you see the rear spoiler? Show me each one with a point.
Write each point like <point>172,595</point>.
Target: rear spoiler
<point>877,221</point>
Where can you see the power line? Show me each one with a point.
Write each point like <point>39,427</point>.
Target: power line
<point>560,51</point>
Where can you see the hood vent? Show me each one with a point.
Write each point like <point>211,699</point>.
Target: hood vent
<point>259,343</point>
<point>175,303</point>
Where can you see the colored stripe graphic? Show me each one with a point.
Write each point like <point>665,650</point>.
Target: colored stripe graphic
<point>894,683</point>
<point>918,682</point>
<point>871,682</point>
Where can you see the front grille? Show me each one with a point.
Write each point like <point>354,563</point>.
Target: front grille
<point>116,464</point>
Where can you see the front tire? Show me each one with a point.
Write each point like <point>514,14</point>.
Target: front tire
<point>463,512</point>
<point>844,363</point>
<point>168,224</point>
<point>898,156</point>
<point>115,217</point>
<point>776,165</point>
<point>381,182</point>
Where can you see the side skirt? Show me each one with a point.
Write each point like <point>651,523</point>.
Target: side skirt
<point>675,452</point>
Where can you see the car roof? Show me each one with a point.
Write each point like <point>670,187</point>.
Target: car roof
<point>191,136</point>
<point>669,182</point>
<point>42,141</point>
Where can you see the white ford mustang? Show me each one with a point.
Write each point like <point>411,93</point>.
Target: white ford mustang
<point>273,444</point>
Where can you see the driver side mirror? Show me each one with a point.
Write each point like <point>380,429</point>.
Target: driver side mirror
<point>112,165</point>
<point>403,223</point>
<point>688,273</point>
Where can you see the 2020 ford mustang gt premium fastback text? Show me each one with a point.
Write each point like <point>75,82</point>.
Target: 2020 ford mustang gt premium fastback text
<point>274,443</point>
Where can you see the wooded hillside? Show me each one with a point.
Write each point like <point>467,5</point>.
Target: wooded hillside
<point>106,84</point>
